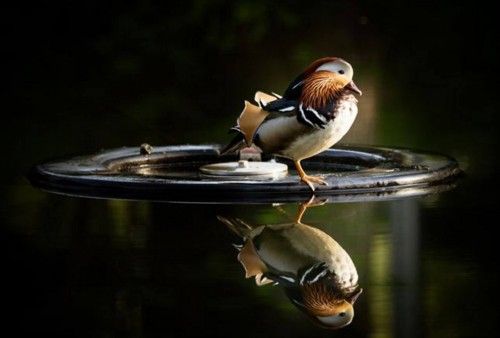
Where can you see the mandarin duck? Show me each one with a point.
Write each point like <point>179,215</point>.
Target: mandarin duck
<point>317,274</point>
<point>315,112</point>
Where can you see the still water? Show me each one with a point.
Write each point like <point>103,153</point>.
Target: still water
<point>100,268</point>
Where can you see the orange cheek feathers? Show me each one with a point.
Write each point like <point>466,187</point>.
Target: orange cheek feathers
<point>321,87</point>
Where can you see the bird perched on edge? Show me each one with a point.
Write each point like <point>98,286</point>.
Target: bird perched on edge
<point>315,112</point>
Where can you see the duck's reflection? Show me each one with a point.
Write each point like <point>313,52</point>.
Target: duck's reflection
<point>316,273</point>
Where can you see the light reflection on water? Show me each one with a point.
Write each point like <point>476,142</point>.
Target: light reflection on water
<point>315,272</point>
<point>137,261</point>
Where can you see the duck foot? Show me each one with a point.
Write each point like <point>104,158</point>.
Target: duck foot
<point>310,180</point>
<point>313,202</point>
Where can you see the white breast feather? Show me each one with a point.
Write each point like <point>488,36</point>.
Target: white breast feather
<point>276,129</point>
<point>313,143</point>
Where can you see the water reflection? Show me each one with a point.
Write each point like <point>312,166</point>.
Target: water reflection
<point>316,273</point>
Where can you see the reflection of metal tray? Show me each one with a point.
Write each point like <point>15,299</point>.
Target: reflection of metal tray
<point>170,173</point>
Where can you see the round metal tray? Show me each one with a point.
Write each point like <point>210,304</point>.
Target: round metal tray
<point>171,173</point>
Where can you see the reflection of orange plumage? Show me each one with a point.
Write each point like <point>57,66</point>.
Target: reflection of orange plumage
<point>314,113</point>
<point>317,274</point>
<point>324,302</point>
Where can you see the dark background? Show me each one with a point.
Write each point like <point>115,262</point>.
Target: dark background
<point>83,75</point>
<point>80,76</point>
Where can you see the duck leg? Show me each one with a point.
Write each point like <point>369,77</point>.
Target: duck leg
<point>313,202</point>
<point>309,180</point>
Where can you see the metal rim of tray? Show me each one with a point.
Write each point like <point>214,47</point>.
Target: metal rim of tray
<point>353,173</point>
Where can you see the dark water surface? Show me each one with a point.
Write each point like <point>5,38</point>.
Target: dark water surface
<point>82,267</point>
<point>86,76</point>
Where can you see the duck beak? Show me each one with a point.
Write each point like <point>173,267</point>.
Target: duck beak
<point>352,87</point>
<point>354,296</point>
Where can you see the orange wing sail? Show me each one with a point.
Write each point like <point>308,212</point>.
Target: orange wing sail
<point>252,116</point>
<point>253,265</point>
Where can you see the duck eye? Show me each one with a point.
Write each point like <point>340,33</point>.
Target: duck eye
<point>342,314</point>
<point>341,71</point>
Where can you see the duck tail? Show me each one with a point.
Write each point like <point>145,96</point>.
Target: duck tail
<point>236,225</point>
<point>236,143</point>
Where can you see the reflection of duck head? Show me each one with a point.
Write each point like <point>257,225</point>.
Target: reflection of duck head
<point>317,274</point>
